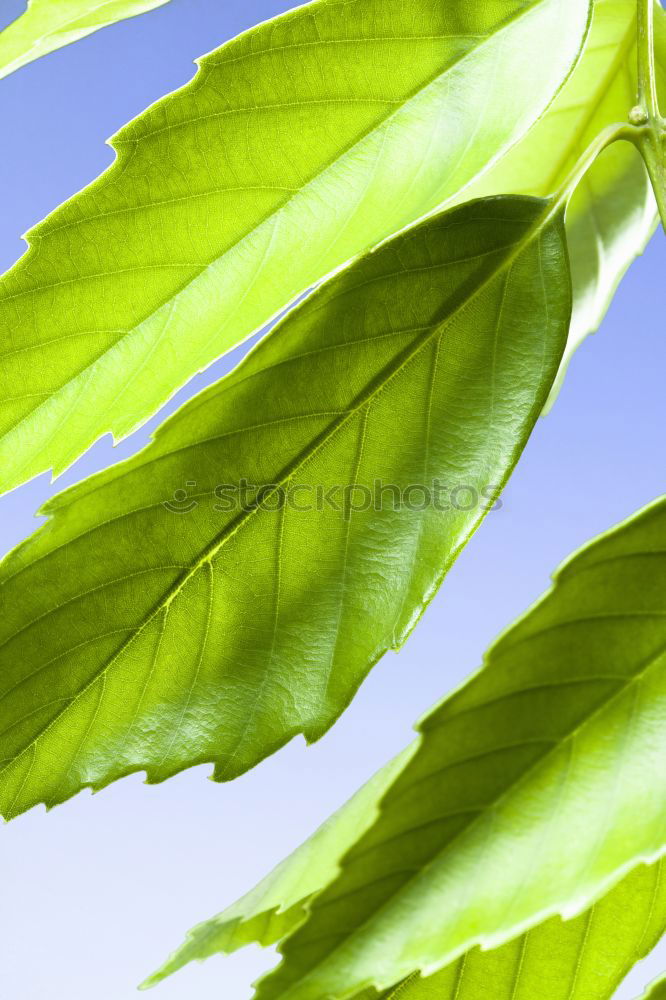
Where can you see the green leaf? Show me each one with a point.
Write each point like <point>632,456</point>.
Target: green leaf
<point>135,636</point>
<point>278,904</point>
<point>613,213</point>
<point>47,25</point>
<point>582,959</point>
<point>296,146</point>
<point>657,991</point>
<point>536,787</point>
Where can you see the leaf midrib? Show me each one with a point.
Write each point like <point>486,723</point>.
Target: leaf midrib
<point>557,745</point>
<point>117,145</point>
<point>375,387</point>
<point>203,400</point>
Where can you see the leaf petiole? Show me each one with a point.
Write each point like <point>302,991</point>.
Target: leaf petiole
<point>647,77</point>
<point>605,138</point>
<point>649,135</point>
<point>646,128</point>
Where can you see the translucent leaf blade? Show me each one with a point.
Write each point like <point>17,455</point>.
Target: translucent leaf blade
<point>581,959</point>
<point>613,213</point>
<point>538,785</point>
<point>157,621</point>
<point>586,958</point>
<point>374,112</point>
<point>278,904</point>
<point>47,25</point>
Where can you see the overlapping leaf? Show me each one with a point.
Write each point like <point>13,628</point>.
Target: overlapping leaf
<point>376,425</point>
<point>296,146</point>
<point>47,25</point>
<point>278,904</point>
<point>657,991</point>
<point>536,787</point>
<point>585,958</point>
<point>613,213</point>
<point>582,959</point>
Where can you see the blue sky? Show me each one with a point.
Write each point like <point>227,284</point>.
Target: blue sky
<point>95,893</point>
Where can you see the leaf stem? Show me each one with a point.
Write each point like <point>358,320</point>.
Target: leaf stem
<point>647,77</point>
<point>646,128</point>
<point>609,135</point>
<point>649,125</point>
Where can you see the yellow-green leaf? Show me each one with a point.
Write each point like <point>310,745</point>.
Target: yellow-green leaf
<point>147,629</point>
<point>537,786</point>
<point>582,959</point>
<point>297,145</point>
<point>613,213</point>
<point>47,25</point>
<point>278,904</point>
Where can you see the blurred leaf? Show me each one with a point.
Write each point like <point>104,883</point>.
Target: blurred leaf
<point>613,213</point>
<point>135,636</point>
<point>536,786</point>
<point>657,991</point>
<point>47,25</point>
<point>297,145</point>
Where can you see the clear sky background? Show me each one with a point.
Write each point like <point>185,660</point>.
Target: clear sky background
<point>94,894</point>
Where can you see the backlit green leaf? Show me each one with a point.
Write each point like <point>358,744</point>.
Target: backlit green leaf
<point>297,145</point>
<point>47,25</point>
<point>277,905</point>
<point>613,214</point>
<point>536,787</point>
<point>142,630</point>
<point>582,959</point>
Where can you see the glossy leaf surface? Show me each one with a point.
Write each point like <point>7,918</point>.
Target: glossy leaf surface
<point>296,146</point>
<point>144,629</point>
<point>536,786</point>
<point>47,25</point>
